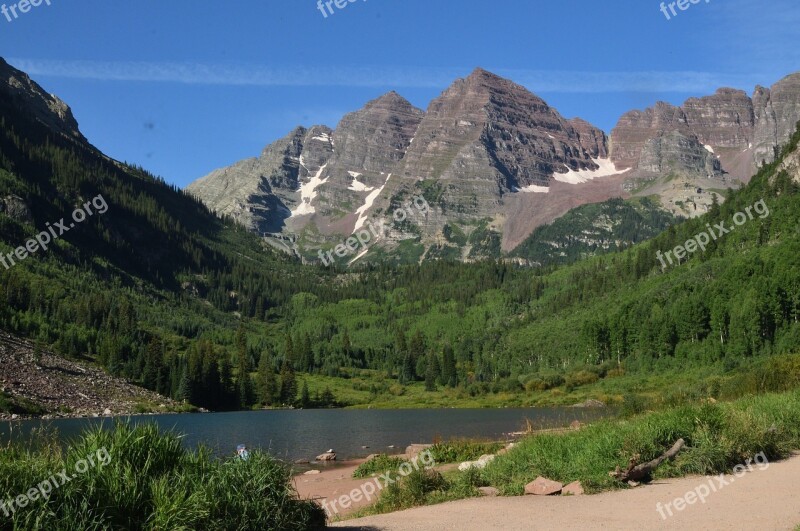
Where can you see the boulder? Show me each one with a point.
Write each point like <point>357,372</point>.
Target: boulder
<point>543,487</point>
<point>573,489</point>
<point>327,456</point>
<point>479,464</point>
<point>466,465</point>
<point>489,491</point>
<point>414,450</point>
<point>312,473</point>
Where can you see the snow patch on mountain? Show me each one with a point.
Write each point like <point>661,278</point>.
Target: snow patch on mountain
<point>606,169</point>
<point>368,202</point>
<point>533,189</point>
<point>308,192</point>
<point>356,185</point>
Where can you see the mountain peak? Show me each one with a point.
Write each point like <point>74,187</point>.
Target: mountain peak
<point>481,75</point>
<point>48,109</point>
<point>391,100</point>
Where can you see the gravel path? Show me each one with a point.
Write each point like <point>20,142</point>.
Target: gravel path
<point>767,499</point>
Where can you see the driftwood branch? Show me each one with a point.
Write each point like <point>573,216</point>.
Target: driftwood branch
<point>639,472</point>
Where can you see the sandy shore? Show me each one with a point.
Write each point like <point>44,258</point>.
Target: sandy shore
<point>331,483</point>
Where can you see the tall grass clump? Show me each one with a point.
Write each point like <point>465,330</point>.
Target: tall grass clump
<point>378,464</point>
<point>459,450</point>
<point>150,482</point>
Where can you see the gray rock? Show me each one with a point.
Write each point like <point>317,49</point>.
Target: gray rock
<point>15,207</point>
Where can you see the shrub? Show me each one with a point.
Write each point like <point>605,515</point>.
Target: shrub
<point>633,404</point>
<point>410,491</point>
<point>459,450</point>
<point>580,378</point>
<point>544,382</point>
<point>377,465</point>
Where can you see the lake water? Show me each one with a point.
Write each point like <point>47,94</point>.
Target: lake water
<point>303,434</point>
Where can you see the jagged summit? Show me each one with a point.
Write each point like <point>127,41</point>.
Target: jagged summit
<point>488,152</point>
<point>29,95</point>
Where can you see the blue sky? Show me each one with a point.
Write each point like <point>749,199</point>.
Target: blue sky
<point>182,87</point>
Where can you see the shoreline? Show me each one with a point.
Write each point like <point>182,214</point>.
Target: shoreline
<point>631,509</point>
<point>5,417</point>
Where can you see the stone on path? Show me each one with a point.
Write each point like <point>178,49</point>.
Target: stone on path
<point>543,487</point>
<point>574,489</point>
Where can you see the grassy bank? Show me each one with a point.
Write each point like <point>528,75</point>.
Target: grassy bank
<point>616,388</point>
<point>718,437</point>
<point>148,481</point>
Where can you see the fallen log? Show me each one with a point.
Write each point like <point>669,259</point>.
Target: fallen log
<point>639,472</point>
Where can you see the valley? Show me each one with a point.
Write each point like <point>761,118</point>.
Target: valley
<point>568,278</point>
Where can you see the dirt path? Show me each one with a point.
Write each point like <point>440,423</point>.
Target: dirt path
<point>330,484</point>
<point>333,482</point>
<point>762,499</point>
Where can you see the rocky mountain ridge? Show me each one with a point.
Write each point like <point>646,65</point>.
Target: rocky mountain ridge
<point>47,108</point>
<point>712,142</point>
<point>494,161</point>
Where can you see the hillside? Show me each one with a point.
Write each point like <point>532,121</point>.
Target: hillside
<point>597,228</point>
<point>36,382</point>
<point>137,287</point>
<point>162,293</point>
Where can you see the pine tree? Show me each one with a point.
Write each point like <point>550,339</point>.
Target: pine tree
<point>227,392</point>
<point>407,371</point>
<point>432,372</point>
<point>153,373</point>
<point>449,374</point>
<point>184,392</point>
<point>305,398</point>
<point>244,383</point>
<point>288,384</point>
<point>327,399</point>
<point>267,383</point>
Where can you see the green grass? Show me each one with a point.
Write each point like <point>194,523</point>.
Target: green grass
<point>632,392</point>
<point>150,482</point>
<point>460,450</point>
<point>718,437</point>
<point>376,465</point>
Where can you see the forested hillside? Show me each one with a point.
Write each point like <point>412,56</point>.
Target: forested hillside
<point>565,327</point>
<point>132,288</point>
<point>161,292</point>
<point>593,229</point>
